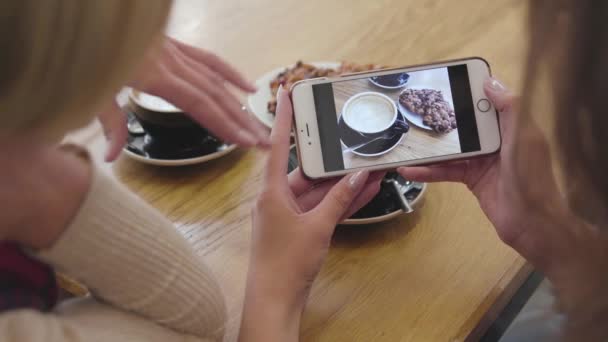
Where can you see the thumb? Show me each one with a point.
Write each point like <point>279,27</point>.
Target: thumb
<point>114,122</point>
<point>501,97</point>
<point>339,199</point>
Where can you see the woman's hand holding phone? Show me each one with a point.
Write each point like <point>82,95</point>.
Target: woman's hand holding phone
<point>293,221</point>
<point>490,178</point>
<point>530,216</point>
<point>521,198</point>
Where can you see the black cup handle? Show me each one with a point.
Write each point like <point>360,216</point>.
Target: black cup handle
<point>401,127</point>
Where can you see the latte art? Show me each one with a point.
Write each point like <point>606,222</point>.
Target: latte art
<point>369,113</point>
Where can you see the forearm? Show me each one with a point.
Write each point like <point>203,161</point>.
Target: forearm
<point>80,320</point>
<point>268,314</point>
<point>564,248</point>
<point>261,322</point>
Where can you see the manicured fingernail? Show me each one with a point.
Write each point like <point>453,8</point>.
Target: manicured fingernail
<point>495,84</point>
<point>280,90</point>
<point>248,139</point>
<point>357,179</point>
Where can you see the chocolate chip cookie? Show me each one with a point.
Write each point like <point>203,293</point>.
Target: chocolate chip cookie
<point>436,112</point>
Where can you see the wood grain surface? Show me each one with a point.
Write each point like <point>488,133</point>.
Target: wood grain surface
<point>418,143</point>
<point>440,274</point>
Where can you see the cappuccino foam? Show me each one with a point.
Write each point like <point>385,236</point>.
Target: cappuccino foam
<point>369,114</point>
<point>155,103</point>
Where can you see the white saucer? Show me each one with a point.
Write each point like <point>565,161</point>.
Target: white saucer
<point>414,203</point>
<point>225,149</point>
<point>258,102</point>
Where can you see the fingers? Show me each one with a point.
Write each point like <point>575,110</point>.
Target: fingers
<point>504,101</point>
<point>280,137</point>
<point>370,190</point>
<point>507,105</point>
<point>376,176</point>
<point>340,198</point>
<point>298,183</point>
<point>217,64</point>
<point>114,122</point>
<point>191,100</point>
<point>432,174</point>
<point>312,196</point>
<point>206,81</point>
<point>310,193</point>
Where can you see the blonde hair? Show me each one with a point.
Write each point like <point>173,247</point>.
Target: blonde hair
<point>62,59</point>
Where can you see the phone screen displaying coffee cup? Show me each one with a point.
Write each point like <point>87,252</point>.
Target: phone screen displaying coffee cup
<point>394,118</point>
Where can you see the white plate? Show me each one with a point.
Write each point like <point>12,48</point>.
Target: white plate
<point>258,102</point>
<point>413,118</point>
<point>180,162</point>
<point>387,217</point>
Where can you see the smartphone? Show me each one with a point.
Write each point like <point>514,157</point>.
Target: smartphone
<point>383,119</point>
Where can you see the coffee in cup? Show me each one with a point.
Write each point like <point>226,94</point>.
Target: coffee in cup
<point>369,112</point>
<point>163,121</point>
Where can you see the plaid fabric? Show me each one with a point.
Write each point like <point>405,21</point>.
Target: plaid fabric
<point>25,282</point>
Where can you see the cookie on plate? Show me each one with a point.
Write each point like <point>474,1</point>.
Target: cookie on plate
<point>436,112</point>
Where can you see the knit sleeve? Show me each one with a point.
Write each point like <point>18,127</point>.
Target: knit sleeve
<point>130,256</point>
<point>87,320</point>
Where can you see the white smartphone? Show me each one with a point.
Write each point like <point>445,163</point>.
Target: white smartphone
<point>383,119</point>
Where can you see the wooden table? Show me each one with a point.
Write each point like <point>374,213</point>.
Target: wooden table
<point>440,274</point>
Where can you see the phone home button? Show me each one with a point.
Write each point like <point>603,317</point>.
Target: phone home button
<point>484,105</point>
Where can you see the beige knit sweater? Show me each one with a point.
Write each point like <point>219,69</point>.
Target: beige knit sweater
<point>147,282</point>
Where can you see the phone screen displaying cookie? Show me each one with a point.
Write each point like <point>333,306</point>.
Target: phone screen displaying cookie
<point>394,118</point>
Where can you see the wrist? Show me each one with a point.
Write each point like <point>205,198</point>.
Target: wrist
<point>572,255</point>
<point>544,242</point>
<point>270,312</point>
<point>578,273</point>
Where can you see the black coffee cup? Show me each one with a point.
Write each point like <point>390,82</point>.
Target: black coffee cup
<point>164,122</point>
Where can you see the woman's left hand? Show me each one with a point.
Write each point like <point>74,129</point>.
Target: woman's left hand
<point>195,81</point>
<point>293,222</point>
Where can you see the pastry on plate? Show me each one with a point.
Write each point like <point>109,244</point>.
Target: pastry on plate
<point>430,104</point>
<point>303,71</point>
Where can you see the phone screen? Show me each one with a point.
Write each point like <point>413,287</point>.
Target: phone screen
<point>395,118</point>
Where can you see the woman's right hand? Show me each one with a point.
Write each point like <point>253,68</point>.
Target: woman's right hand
<point>518,191</point>
<point>518,213</point>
